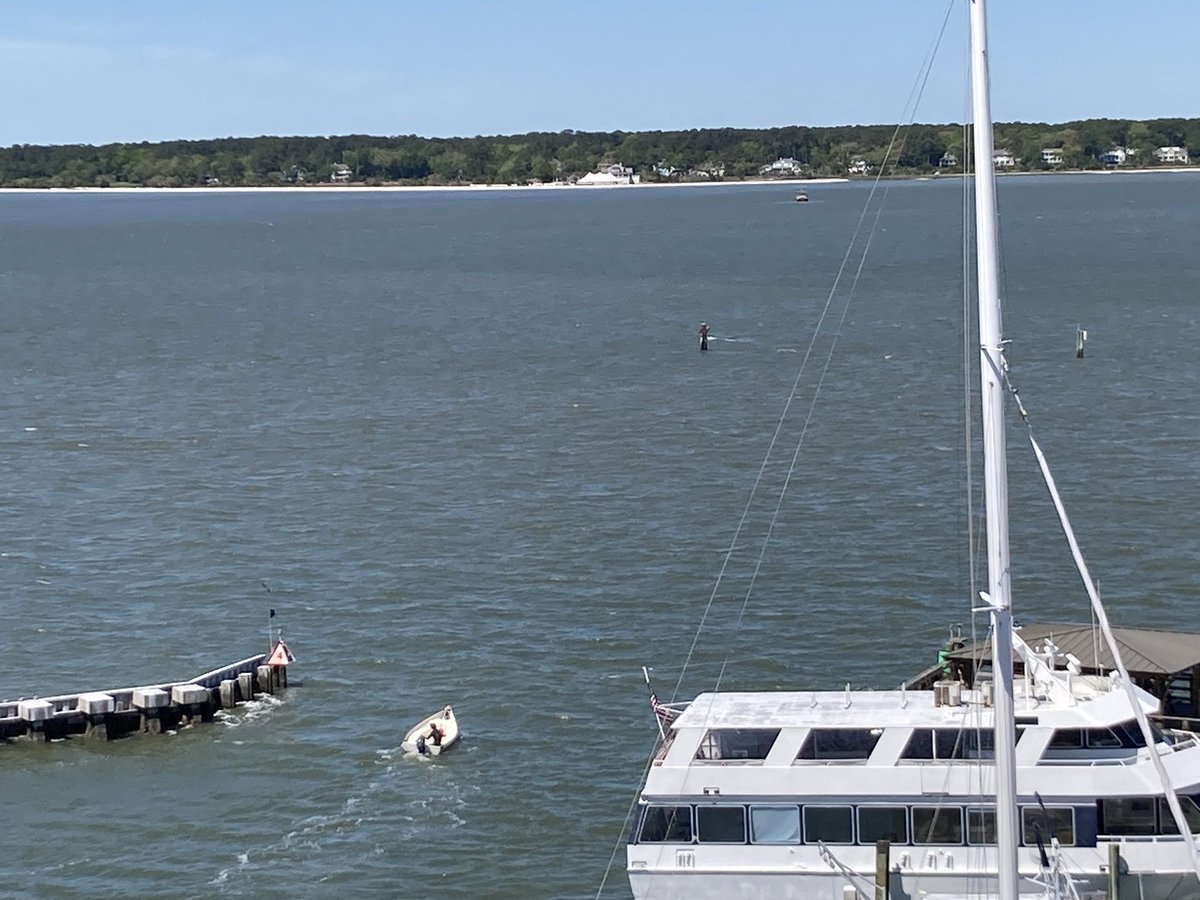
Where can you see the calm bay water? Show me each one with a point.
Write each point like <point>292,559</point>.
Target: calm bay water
<point>468,444</point>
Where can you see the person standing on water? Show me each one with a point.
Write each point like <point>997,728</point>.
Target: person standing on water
<point>703,335</point>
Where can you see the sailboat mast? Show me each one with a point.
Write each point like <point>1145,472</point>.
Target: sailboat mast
<point>995,465</point>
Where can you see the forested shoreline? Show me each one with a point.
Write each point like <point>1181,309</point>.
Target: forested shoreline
<point>714,154</point>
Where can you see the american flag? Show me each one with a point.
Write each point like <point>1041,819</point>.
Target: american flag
<point>662,712</point>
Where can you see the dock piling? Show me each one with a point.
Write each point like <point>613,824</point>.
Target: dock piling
<point>97,709</point>
<point>245,682</point>
<point>883,856</point>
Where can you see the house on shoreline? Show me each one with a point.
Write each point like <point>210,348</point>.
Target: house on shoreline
<point>611,174</point>
<point>1172,155</point>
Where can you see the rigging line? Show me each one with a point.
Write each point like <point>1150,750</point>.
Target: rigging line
<point>800,440</point>
<point>782,419</point>
<point>919,91</point>
<point>625,824</point>
<point>1102,617</point>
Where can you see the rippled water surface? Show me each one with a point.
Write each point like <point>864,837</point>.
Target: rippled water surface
<point>466,446</point>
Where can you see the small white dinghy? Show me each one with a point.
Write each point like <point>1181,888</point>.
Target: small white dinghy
<point>433,735</point>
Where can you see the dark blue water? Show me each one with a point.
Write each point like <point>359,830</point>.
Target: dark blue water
<point>468,445</point>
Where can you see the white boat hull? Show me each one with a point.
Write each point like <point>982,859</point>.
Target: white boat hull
<point>961,886</point>
<point>420,737</point>
<point>930,873</point>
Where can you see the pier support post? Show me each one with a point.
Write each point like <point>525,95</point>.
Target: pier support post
<point>228,690</point>
<point>152,702</point>
<point>37,715</point>
<point>883,855</point>
<point>97,708</point>
<point>266,683</point>
<point>245,681</point>
<point>191,700</point>
<point>1114,871</point>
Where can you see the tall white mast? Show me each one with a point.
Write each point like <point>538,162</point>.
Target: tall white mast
<point>995,465</point>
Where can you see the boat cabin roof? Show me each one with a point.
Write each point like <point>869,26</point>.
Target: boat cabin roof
<point>1092,701</point>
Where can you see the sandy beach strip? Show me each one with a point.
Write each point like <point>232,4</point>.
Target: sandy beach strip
<point>326,187</point>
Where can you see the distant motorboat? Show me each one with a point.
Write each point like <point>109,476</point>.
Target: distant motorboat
<point>801,197</point>
<point>434,734</point>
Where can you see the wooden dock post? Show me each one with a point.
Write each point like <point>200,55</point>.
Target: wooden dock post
<point>883,855</point>
<point>1114,871</point>
<point>1080,340</point>
<point>151,701</point>
<point>245,682</point>
<point>194,702</point>
<point>266,684</point>
<point>97,709</point>
<point>36,714</point>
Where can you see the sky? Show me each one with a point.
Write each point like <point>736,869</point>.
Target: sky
<point>80,71</point>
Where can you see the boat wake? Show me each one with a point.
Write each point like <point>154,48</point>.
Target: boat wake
<point>392,807</point>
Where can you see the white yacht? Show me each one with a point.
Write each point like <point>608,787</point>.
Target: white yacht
<point>1054,784</point>
<point>789,794</point>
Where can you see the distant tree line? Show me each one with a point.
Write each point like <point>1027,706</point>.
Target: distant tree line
<point>697,154</point>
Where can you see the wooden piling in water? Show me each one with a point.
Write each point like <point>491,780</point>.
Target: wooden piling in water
<point>245,682</point>
<point>883,872</point>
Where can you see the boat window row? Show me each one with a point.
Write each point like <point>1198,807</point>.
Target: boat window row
<point>847,744</point>
<point>759,823</point>
<point>857,744</point>
<point>1146,815</point>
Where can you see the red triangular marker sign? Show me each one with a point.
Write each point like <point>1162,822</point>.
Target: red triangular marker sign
<point>280,656</point>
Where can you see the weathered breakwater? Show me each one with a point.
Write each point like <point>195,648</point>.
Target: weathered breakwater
<point>148,709</point>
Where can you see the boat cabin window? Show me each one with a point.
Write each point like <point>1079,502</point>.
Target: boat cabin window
<point>883,823</point>
<point>830,824</point>
<point>1191,813</point>
<point>737,743</point>
<point>721,824</point>
<point>667,825</point>
<point>1127,815</point>
<point>937,824</point>
<point>839,744</point>
<point>1053,821</point>
<point>951,743</point>
<point>981,826</point>
<point>1066,739</point>
<point>1126,735</point>
<point>775,824</point>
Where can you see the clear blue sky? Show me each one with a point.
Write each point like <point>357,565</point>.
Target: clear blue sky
<point>81,71</point>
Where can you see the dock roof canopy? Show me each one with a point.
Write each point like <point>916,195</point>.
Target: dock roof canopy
<point>1145,651</point>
